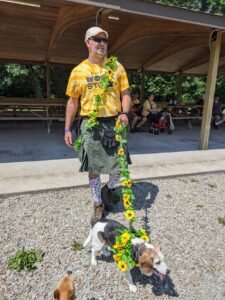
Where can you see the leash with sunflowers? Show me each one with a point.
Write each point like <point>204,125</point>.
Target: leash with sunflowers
<point>123,247</point>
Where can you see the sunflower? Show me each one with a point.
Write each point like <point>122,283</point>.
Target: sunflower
<point>91,120</point>
<point>116,257</point>
<point>118,123</point>
<point>126,203</point>
<point>118,246</point>
<point>109,74</point>
<point>129,214</point>
<point>101,92</point>
<point>127,183</point>
<point>143,232</point>
<point>120,151</point>
<point>125,237</point>
<point>126,197</point>
<point>117,137</point>
<point>122,265</point>
<point>145,237</point>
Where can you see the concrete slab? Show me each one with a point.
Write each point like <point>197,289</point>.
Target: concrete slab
<point>32,160</point>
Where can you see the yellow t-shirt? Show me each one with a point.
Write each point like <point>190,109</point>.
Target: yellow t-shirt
<point>84,83</point>
<point>149,106</point>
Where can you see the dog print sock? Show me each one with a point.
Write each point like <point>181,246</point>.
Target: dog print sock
<point>95,185</point>
<point>113,180</point>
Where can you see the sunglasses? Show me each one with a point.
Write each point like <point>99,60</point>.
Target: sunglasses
<point>99,39</point>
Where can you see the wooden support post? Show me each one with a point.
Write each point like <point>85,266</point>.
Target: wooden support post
<point>48,80</point>
<point>142,74</point>
<point>210,89</point>
<point>179,88</point>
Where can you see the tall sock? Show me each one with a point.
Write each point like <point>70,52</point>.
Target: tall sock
<point>113,180</point>
<point>95,185</point>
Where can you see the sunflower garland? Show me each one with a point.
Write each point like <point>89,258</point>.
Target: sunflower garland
<point>104,83</point>
<point>123,247</point>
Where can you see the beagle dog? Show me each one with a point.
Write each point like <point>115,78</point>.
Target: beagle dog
<point>65,289</point>
<point>102,237</point>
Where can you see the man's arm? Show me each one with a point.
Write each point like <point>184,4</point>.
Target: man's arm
<point>71,109</point>
<point>126,103</point>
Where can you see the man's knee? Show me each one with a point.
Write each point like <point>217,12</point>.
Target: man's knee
<point>93,175</point>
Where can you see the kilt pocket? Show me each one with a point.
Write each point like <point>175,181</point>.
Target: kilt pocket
<point>108,138</point>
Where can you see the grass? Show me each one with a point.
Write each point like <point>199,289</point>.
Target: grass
<point>212,185</point>
<point>221,220</point>
<point>200,206</point>
<point>25,260</point>
<point>75,246</point>
<point>192,179</point>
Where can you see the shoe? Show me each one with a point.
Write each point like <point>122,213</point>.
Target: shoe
<point>132,130</point>
<point>214,125</point>
<point>109,197</point>
<point>138,129</point>
<point>98,211</point>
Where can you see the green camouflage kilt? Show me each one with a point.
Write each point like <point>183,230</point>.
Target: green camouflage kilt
<point>98,153</point>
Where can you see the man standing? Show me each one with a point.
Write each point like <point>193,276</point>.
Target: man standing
<point>98,152</point>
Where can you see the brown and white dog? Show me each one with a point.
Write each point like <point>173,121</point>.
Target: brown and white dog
<point>102,237</point>
<point>65,289</point>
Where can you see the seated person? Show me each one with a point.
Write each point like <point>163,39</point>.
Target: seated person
<point>149,111</point>
<point>217,114</point>
<point>135,111</point>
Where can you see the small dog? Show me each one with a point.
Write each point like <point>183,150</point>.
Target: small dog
<point>65,289</point>
<point>102,237</point>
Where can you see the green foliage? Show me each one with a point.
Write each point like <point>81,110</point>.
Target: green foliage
<point>221,220</point>
<point>25,260</point>
<point>75,246</point>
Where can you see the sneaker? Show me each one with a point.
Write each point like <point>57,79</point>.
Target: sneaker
<point>98,211</point>
<point>109,197</point>
<point>214,125</point>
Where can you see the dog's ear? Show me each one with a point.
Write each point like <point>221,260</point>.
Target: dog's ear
<point>56,294</point>
<point>101,237</point>
<point>146,259</point>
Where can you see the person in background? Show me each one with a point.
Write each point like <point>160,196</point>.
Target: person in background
<point>135,111</point>
<point>98,153</point>
<point>217,114</point>
<point>150,111</point>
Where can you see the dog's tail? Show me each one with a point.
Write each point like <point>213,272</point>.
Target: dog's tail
<point>88,240</point>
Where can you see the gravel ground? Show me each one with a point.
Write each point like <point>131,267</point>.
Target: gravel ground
<point>182,217</point>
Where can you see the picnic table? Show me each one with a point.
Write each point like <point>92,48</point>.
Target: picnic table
<point>18,109</point>
<point>187,113</point>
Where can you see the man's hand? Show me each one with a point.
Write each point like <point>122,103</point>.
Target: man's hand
<point>68,139</point>
<point>123,119</point>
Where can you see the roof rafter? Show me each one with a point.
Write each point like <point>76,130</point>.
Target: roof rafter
<point>142,28</point>
<point>173,47</point>
<point>68,16</point>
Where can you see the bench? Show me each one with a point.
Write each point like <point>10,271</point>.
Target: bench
<point>30,109</point>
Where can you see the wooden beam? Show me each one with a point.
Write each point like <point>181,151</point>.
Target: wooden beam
<point>196,62</point>
<point>179,88</point>
<point>142,74</point>
<point>68,16</point>
<point>210,89</point>
<point>147,28</point>
<point>48,80</point>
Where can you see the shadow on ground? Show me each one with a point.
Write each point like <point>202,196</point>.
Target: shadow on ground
<point>145,195</point>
